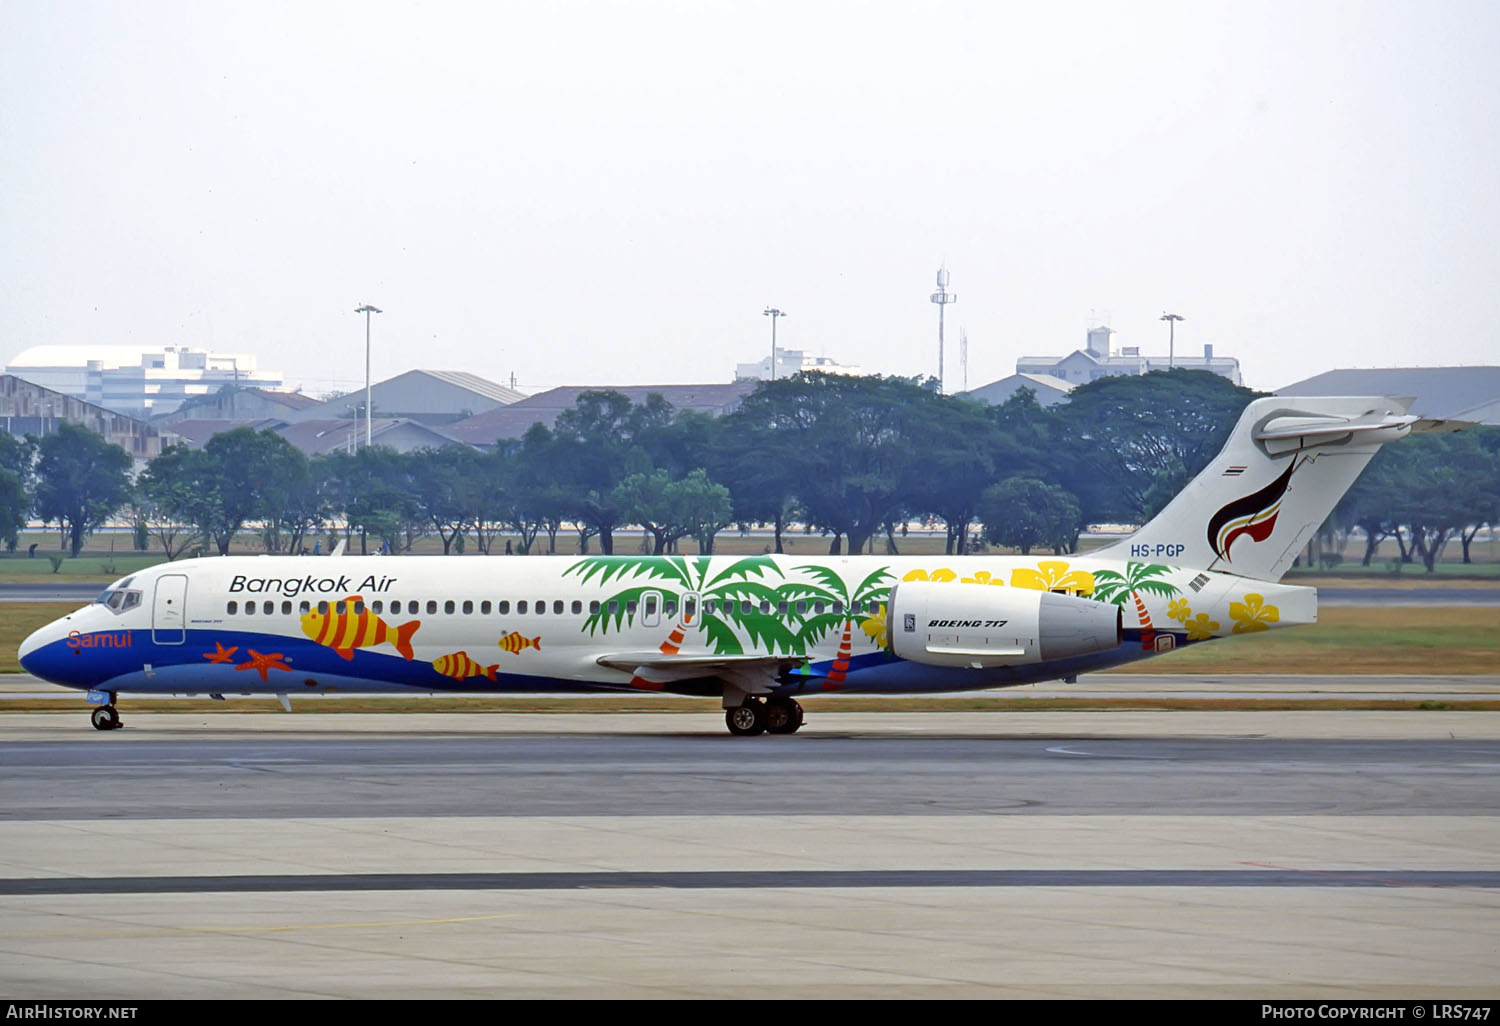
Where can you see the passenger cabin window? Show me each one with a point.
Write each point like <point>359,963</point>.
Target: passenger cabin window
<point>557,607</point>
<point>431,606</point>
<point>249,608</point>
<point>503,607</point>
<point>577,607</point>
<point>468,606</point>
<point>286,609</point>
<point>448,606</point>
<point>594,607</point>
<point>323,608</point>
<point>304,607</point>
<point>541,607</point>
<point>377,607</point>
<point>232,608</point>
<point>268,607</point>
<point>521,606</point>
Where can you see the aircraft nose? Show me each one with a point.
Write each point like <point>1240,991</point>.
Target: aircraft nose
<point>34,641</point>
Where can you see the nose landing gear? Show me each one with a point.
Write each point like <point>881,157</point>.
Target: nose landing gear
<point>106,716</point>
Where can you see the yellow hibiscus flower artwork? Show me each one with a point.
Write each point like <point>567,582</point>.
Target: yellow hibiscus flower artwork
<point>1178,610</point>
<point>1253,614</point>
<point>943,574</point>
<point>982,577</point>
<point>1201,628</point>
<point>874,626</point>
<point>1053,575</point>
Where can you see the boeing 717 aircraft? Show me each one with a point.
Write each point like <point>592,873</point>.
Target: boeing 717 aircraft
<point>756,631</point>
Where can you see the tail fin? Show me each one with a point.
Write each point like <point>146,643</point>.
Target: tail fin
<point>1286,465</point>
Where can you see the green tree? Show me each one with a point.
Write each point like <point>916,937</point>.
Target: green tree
<point>706,508</point>
<point>81,480</point>
<point>442,480</point>
<point>1128,444</point>
<point>172,491</point>
<point>1426,491</point>
<point>16,458</point>
<point>846,446</point>
<point>745,454</point>
<point>670,509</point>
<point>966,451</point>
<point>596,446</point>
<point>1022,513</point>
<point>378,496</point>
<point>238,476</point>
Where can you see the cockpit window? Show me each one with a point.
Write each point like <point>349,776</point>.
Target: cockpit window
<point>119,600</point>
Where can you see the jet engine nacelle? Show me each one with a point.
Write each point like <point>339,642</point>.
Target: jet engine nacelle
<point>975,625</point>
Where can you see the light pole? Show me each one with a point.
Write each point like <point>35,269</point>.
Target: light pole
<point>367,310</point>
<point>942,297</point>
<point>1171,320</point>
<point>773,313</point>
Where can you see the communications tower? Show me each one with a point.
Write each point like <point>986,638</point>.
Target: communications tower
<point>942,297</point>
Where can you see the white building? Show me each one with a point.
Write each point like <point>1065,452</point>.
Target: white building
<point>789,362</point>
<point>1098,359</point>
<point>138,380</point>
<point>1049,391</point>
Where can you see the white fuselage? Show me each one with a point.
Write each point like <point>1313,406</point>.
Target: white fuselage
<point>772,624</point>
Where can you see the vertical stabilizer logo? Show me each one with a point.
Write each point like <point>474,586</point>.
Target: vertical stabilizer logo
<point>1254,515</point>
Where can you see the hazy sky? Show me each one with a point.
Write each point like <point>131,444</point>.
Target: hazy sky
<point>590,192</point>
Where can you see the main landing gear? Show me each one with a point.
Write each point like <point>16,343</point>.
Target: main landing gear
<point>106,717</point>
<point>772,716</point>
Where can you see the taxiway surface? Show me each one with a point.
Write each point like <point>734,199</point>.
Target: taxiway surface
<point>1244,854</point>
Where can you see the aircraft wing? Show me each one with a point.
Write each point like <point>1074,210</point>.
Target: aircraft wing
<point>752,674</point>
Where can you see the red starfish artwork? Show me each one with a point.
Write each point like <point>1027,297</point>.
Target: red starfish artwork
<point>262,663</point>
<point>223,654</point>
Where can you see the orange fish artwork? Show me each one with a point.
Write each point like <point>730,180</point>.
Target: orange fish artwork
<point>514,643</point>
<point>460,666</point>
<point>343,630</point>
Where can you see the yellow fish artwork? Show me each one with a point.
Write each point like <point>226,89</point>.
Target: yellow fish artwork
<point>460,666</point>
<point>514,642</point>
<point>343,630</point>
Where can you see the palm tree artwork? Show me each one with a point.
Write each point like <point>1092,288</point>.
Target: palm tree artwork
<point>837,607</point>
<point>1115,587</point>
<point>727,607</point>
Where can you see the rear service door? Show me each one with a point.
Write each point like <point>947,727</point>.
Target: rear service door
<point>169,612</point>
